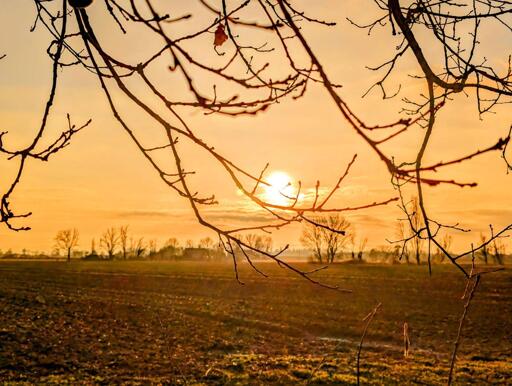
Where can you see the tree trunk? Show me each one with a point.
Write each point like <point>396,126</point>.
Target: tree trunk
<point>69,255</point>
<point>497,258</point>
<point>319,255</point>
<point>330,257</point>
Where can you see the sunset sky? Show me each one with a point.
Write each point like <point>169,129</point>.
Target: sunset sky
<point>101,180</point>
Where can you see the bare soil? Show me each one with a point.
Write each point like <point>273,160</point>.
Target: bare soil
<point>192,323</point>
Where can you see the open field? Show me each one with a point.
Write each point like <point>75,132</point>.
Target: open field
<point>145,322</point>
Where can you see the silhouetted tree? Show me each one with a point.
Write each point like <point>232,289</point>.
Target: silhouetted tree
<point>362,246</point>
<point>207,242</point>
<point>110,241</point>
<point>401,233</point>
<point>416,224</point>
<point>123,240</point>
<point>312,238</point>
<point>93,246</point>
<point>257,241</point>
<point>172,242</point>
<point>483,253</point>
<point>152,247</point>
<point>352,244</point>
<point>498,247</point>
<point>326,234</point>
<point>242,80</point>
<point>446,243</point>
<point>137,247</point>
<point>267,243</point>
<point>66,240</point>
<point>335,235</point>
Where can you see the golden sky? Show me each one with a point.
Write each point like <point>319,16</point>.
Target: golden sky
<point>101,180</point>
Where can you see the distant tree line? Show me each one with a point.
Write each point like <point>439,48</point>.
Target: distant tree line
<point>336,240</point>
<point>492,251</point>
<point>117,243</point>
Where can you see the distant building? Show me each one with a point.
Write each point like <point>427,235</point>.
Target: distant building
<point>93,256</point>
<point>202,254</point>
<point>168,253</point>
<point>196,254</point>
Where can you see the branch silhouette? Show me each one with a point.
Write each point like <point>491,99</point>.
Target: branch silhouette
<point>247,69</point>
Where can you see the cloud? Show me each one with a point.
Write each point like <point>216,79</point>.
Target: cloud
<point>238,213</point>
<point>146,214</point>
<point>478,220</point>
<point>233,216</point>
<point>487,215</point>
<point>493,213</point>
<point>365,219</point>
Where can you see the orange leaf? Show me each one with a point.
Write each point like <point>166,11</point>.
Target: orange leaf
<point>220,36</point>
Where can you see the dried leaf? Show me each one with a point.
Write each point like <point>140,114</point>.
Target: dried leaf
<point>220,36</point>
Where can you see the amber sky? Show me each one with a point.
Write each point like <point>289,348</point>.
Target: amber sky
<point>101,180</point>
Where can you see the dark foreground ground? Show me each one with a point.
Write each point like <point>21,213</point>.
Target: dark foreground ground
<point>191,323</point>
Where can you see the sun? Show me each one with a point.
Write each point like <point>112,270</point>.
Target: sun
<point>280,187</point>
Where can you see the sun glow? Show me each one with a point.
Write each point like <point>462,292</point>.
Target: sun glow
<point>280,187</point>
